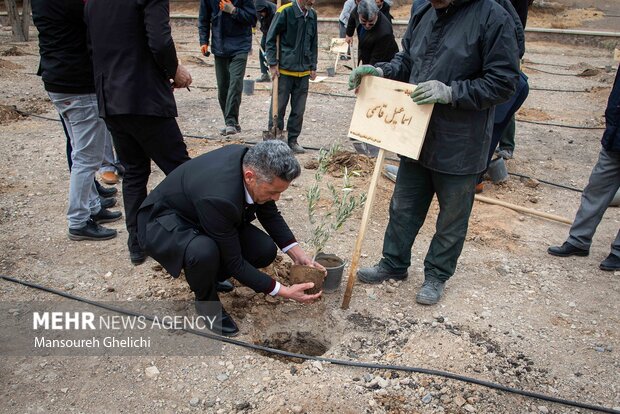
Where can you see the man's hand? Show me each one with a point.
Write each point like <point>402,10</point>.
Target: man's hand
<point>296,292</point>
<point>182,79</point>
<point>205,50</point>
<point>274,71</point>
<point>432,92</point>
<point>355,78</point>
<point>312,74</point>
<point>348,39</point>
<point>226,6</point>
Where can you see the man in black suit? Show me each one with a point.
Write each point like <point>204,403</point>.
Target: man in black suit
<point>199,219</point>
<point>377,42</point>
<point>136,68</point>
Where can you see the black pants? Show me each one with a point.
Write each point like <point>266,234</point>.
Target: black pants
<point>138,139</point>
<point>203,266</point>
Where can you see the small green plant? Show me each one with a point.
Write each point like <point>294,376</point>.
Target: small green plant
<point>342,202</point>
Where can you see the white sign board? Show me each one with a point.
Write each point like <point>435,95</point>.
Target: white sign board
<point>385,116</point>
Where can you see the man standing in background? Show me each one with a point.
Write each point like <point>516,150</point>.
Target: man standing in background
<point>266,10</point>
<point>229,24</point>
<point>136,69</point>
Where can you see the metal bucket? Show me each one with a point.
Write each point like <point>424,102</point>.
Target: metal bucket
<point>248,86</point>
<point>497,170</point>
<point>335,268</point>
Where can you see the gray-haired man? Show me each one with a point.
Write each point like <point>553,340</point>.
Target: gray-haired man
<point>199,219</point>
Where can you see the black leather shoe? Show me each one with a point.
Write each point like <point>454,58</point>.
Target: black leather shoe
<point>108,202</point>
<point>92,231</point>
<point>611,263</point>
<point>224,286</point>
<point>137,257</point>
<point>106,216</point>
<point>105,191</point>
<point>566,250</point>
<point>225,325</point>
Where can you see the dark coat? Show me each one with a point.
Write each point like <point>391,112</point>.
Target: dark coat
<point>378,44</point>
<point>354,19</point>
<point>265,21</point>
<point>65,62</point>
<point>611,136</point>
<point>521,7</point>
<point>231,34</point>
<point>134,58</point>
<point>481,67</point>
<point>206,196</point>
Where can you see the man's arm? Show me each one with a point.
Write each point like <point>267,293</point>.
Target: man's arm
<point>277,25</point>
<point>352,23</point>
<point>204,22</point>
<point>245,13</point>
<point>159,36</point>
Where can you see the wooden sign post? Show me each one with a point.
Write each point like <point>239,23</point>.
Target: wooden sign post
<point>384,116</point>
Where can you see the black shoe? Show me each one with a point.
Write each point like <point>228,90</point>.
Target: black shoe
<point>225,325</point>
<point>108,202</point>
<point>137,257</point>
<point>224,286</point>
<point>611,263</point>
<point>105,191</point>
<point>92,231</point>
<point>106,216</point>
<point>566,250</point>
<point>378,274</point>
<point>297,149</point>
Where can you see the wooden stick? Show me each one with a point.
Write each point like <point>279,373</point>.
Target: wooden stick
<point>360,237</point>
<point>522,209</point>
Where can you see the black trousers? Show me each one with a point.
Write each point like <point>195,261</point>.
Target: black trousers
<point>202,263</point>
<point>138,139</point>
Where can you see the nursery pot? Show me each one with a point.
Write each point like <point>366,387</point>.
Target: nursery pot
<point>331,72</point>
<point>248,86</point>
<point>335,268</point>
<point>304,274</point>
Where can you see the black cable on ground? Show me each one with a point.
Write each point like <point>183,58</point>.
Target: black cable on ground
<point>547,182</point>
<point>558,125</point>
<point>368,365</point>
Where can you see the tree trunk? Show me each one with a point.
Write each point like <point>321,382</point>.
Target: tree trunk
<point>19,24</point>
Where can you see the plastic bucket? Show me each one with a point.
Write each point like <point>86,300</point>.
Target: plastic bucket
<point>248,86</point>
<point>335,268</point>
<point>331,72</point>
<point>497,170</point>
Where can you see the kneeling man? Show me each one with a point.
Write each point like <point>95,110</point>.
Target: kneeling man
<point>199,219</point>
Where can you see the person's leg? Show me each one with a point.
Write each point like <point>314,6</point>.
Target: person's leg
<point>86,130</point>
<point>602,186</point>
<point>107,170</point>
<point>455,194</point>
<point>299,95</point>
<point>256,246</point>
<point>412,197</point>
<point>285,83</point>
<point>236,70</point>
<point>222,78</point>
<point>68,147</point>
<point>507,140</point>
<point>201,264</point>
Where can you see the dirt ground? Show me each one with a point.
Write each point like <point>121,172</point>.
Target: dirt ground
<point>512,314</point>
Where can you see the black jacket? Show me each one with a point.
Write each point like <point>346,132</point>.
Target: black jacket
<point>65,62</point>
<point>134,57</point>
<point>354,19</point>
<point>611,136</point>
<point>378,44</point>
<point>265,21</point>
<point>206,196</point>
<point>472,47</point>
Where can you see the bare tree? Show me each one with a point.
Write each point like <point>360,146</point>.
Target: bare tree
<point>20,24</point>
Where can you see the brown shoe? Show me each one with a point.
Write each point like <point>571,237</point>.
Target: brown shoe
<point>109,177</point>
<point>479,188</point>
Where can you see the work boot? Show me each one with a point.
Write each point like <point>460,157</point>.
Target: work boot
<point>431,291</point>
<point>297,149</point>
<point>106,216</point>
<point>479,188</point>
<point>377,274</point>
<point>105,191</point>
<point>264,77</point>
<point>611,263</point>
<point>567,249</point>
<point>228,130</point>
<point>108,202</point>
<point>506,154</point>
<point>109,177</point>
<point>91,231</point>
<point>238,128</point>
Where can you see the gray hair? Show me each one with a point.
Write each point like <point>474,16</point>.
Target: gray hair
<point>271,159</point>
<point>367,9</point>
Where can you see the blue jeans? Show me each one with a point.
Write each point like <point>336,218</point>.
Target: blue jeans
<point>413,193</point>
<point>88,135</point>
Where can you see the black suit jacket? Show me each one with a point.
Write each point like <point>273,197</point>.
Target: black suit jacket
<point>133,55</point>
<point>206,196</point>
<point>378,44</point>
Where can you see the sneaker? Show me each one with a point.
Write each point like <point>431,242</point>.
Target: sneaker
<point>297,149</point>
<point>91,231</point>
<point>506,154</point>
<point>611,263</point>
<point>228,130</point>
<point>106,216</point>
<point>263,78</point>
<point>109,177</point>
<point>567,249</point>
<point>378,274</point>
<point>108,202</point>
<point>105,191</point>
<point>431,291</point>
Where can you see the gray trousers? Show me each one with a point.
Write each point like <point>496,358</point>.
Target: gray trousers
<point>88,134</point>
<point>229,73</point>
<point>602,186</point>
